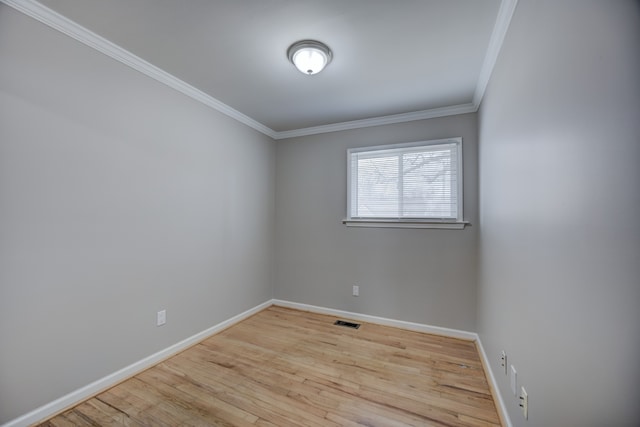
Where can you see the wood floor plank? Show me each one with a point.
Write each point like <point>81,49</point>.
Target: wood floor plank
<point>285,367</point>
<point>104,414</point>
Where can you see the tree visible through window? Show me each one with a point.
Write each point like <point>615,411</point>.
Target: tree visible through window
<point>418,181</point>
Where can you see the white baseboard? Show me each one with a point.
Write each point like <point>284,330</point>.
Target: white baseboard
<point>418,327</point>
<point>497,397</point>
<point>102,384</point>
<point>109,381</point>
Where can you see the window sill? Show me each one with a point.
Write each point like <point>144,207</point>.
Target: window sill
<point>394,223</point>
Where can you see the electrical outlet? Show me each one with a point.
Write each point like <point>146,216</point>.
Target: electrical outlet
<point>524,402</point>
<point>514,382</point>
<point>503,361</point>
<point>356,291</point>
<point>161,317</point>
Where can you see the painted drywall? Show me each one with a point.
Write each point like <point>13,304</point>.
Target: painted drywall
<point>118,197</point>
<point>559,246</point>
<point>417,275</point>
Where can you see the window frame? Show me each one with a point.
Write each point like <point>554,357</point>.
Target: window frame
<point>445,223</point>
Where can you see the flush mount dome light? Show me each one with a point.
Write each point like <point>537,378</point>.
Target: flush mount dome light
<point>309,56</point>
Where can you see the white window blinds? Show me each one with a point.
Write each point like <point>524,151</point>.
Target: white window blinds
<point>417,181</point>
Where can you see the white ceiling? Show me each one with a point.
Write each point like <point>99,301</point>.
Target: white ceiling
<point>403,58</point>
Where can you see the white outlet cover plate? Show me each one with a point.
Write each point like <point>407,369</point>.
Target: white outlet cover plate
<point>161,317</point>
<point>524,402</point>
<point>514,381</point>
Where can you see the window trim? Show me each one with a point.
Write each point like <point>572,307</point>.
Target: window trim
<point>443,223</point>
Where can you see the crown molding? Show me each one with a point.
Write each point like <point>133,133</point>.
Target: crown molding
<point>505,13</point>
<point>379,121</point>
<point>66,26</point>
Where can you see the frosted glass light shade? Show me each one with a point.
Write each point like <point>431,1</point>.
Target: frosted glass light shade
<point>309,56</point>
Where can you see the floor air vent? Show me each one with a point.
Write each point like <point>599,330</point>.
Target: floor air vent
<point>347,324</point>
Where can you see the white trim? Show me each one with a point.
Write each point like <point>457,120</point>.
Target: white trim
<point>418,327</point>
<point>392,223</point>
<point>495,391</point>
<point>505,13</point>
<point>412,144</point>
<point>66,26</point>
<point>96,387</point>
<point>379,121</point>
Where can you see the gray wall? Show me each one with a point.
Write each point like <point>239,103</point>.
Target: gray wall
<point>426,276</point>
<point>559,205</point>
<point>118,197</point>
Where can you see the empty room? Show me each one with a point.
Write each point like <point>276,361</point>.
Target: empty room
<point>320,213</point>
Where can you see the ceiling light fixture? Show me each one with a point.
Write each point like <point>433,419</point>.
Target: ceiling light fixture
<point>309,56</point>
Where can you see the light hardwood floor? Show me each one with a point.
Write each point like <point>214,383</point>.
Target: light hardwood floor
<point>285,367</point>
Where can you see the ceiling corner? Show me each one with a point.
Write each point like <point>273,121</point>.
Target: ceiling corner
<point>505,13</point>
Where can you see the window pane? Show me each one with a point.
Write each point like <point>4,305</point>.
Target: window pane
<point>427,183</point>
<point>378,187</point>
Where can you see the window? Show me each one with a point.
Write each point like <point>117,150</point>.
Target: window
<point>406,185</point>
